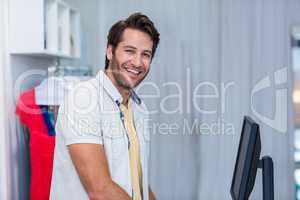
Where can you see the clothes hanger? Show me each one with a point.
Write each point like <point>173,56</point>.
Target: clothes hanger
<point>52,90</point>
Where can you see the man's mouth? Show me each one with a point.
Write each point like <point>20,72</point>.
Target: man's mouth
<point>133,72</point>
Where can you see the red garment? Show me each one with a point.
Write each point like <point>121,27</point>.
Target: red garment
<point>41,146</point>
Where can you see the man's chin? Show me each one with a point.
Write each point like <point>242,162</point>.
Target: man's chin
<point>128,86</point>
<point>132,84</point>
<point>135,84</point>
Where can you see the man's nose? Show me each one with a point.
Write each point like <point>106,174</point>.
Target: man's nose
<point>137,61</point>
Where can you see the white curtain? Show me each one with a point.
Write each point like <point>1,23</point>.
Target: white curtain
<point>221,49</point>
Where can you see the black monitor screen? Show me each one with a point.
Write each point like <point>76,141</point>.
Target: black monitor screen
<point>246,161</point>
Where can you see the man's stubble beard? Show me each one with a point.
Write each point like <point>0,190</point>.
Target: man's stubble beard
<point>116,67</point>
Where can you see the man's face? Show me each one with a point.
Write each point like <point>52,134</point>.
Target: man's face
<point>130,62</point>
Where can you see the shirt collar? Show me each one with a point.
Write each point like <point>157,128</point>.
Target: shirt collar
<point>113,91</point>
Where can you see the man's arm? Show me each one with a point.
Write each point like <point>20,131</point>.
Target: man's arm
<point>151,194</point>
<point>92,167</point>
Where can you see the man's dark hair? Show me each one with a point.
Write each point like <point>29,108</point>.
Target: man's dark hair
<point>136,21</point>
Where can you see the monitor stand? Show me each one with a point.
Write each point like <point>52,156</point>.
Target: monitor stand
<point>266,164</point>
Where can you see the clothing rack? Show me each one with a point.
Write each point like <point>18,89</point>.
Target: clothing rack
<point>40,135</point>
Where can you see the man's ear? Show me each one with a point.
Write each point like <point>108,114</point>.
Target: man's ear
<point>109,52</point>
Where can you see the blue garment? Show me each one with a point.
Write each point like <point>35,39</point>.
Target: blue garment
<point>48,116</point>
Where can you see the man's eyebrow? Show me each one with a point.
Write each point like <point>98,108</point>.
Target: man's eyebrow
<point>132,47</point>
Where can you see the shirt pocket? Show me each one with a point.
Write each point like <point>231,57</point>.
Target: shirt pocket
<point>115,143</point>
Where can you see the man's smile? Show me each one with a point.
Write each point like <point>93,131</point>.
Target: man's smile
<point>133,71</point>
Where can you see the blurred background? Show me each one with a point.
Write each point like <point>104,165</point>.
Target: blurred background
<point>216,62</point>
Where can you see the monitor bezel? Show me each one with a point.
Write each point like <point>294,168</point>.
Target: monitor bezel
<point>250,168</point>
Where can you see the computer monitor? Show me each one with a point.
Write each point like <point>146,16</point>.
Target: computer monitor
<point>247,162</point>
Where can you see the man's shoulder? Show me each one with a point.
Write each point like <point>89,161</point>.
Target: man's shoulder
<point>87,91</point>
<point>85,87</point>
<point>79,97</point>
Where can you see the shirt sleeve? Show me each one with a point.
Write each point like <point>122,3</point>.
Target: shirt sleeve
<point>78,119</point>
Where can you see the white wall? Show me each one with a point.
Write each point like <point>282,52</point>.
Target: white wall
<point>4,184</point>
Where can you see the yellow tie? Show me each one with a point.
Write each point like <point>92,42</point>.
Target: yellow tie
<point>134,153</point>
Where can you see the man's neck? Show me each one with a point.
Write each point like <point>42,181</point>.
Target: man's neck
<point>125,93</point>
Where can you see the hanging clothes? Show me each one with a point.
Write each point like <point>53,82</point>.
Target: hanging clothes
<point>49,119</point>
<point>41,144</point>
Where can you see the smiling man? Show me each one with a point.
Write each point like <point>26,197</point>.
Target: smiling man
<point>102,133</point>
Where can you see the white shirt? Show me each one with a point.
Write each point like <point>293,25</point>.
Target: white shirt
<point>90,114</point>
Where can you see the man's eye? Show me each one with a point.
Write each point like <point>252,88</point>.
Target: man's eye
<point>147,55</point>
<point>129,50</point>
